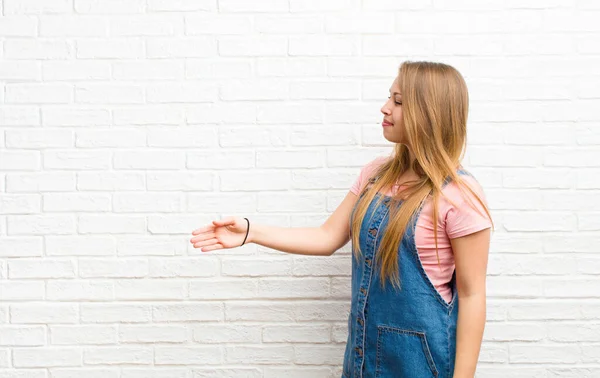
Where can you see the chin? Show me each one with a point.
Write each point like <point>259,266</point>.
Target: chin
<point>391,139</point>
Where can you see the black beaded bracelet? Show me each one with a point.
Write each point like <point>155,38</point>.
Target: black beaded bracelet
<point>248,230</point>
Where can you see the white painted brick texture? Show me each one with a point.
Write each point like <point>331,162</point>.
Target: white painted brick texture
<point>125,124</point>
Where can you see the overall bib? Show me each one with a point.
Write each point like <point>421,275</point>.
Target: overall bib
<point>401,333</point>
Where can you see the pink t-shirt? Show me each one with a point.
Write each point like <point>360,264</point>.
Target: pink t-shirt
<point>453,222</point>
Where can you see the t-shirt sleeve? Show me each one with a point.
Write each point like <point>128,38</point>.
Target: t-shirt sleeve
<point>358,183</point>
<point>466,218</point>
<point>365,174</point>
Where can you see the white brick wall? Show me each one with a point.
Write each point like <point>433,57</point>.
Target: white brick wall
<point>125,124</point>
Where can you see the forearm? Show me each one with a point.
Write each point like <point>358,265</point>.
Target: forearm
<point>469,334</point>
<point>301,241</point>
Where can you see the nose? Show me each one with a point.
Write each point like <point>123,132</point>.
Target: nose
<point>385,109</point>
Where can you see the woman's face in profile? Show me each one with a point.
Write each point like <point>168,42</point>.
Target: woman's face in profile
<point>393,127</point>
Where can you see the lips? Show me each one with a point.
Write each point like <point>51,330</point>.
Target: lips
<point>386,124</point>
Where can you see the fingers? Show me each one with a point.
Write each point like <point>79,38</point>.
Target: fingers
<point>203,243</point>
<point>212,248</point>
<point>224,222</point>
<point>203,237</point>
<point>216,223</point>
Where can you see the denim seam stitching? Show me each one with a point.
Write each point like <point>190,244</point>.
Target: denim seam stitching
<point>379,220</point>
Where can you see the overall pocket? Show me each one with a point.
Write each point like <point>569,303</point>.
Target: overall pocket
<point>403,353</point>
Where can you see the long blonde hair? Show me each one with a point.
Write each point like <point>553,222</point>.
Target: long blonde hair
<point>434,112</point>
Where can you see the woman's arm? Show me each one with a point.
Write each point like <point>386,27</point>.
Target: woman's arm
<point>323,240</point>
<point>471,257</point>
<point>302,241</point>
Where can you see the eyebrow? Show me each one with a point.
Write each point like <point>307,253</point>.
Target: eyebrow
<point>395,93</point>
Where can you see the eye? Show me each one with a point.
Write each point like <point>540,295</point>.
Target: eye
<point>395,102</point>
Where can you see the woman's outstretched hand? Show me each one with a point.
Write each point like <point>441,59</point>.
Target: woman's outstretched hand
<point>221,234</point>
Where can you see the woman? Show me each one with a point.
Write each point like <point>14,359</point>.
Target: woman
<point>420,232</point>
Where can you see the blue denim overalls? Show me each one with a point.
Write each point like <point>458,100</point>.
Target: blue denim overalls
<point>405,333</point>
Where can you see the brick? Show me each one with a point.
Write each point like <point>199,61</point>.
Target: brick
<point>150,290</point>
<point>217,334</point>
<point>566,354</point>
<point>118,224</point>
<point>58,202</point>
<point>112,268</point>
<point>38,49</point>
<point>221,289</point>
<point>148,70</point>
<point>89,373</point>
<point>22,336</point>
<point>20,160</point>
<point>227,373</point>
<point>150,245</point>
<point>44,313</point>
<point>290,159</point>
<point>182,47</point>
<point>320,354</point>
<point>126,48</point>
<point>38,139</point>
<point>73,26</point>
<point>314,333</point>
<point>197,355</point>
<point>109,94</point>
<point>282,311</point>
<point>147,203</point>
<point>153,334</point>
<point>256,267</point>
<point>21,246</point>
<point>265,6</point>
<point>80,246</point>
<point>115,313</point>
<point>324,45</point>
<point>117,355</point>
<point>20,70</point>
<point>76,160</point>
<point>202,137</point>
<point>41,224</point>
<point>22,291</point>
<point>109,6</point>
<point>259,354</point>
<point>80,290</point>
<point>154,372</point>
<point>180,181</point>
<point>20,204</point>
<point>182,312</point>
<point>44,268</point>
<point>168,114</point>
<point>65,116</point>
<point>37,7</point>
<point>252,47</point>
<point>46,357</point>
<point>217,24</point>
<point>183,267</point>
<point>181,5</point>
<point>83,335</point>
<point>255,180</point>
<point>110,180</point>
<point>146,25</point>
<point>19,115</point>
<point>148,160</point>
